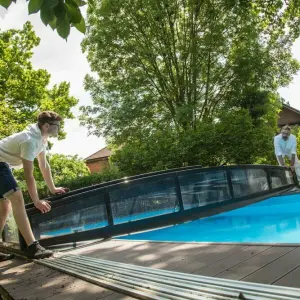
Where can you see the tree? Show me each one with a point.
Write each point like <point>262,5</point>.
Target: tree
<point>64,168</point>
<point>68,171</point>
<point>23,90</point>
<point>177,63</point>
<point>59,14</point>
<point>67,167</point>
<point>234,139</point>
<point>167,69</point>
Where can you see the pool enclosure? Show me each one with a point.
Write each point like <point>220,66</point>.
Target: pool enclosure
<point>150,201</point>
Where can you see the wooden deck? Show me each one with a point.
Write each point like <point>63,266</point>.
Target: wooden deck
<point>21,280</point>
<point>279,265</point>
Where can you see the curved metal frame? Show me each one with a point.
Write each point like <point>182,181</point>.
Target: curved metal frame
<point>103,190</point>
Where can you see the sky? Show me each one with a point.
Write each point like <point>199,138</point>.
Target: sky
<point>65,62</point>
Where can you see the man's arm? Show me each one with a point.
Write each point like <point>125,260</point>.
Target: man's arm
<point>293,160</point>
<point>278,152</point>
<point>47,174</point>
<point>281,160</point>
<point>46,171</point>
<point>294,152</point>
<point>43,206</point>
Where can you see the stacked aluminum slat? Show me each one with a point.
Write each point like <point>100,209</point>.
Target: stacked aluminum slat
<point>147,283</point>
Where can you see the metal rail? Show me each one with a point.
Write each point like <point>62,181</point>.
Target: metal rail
<point>147,283</point>
<point>117,195</point>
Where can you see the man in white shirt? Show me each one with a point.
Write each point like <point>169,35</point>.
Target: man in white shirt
<point>17,151</point>
<point>285,145</point>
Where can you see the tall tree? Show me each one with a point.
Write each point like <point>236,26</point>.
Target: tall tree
<point>179,64</point>
<point>23,90</point>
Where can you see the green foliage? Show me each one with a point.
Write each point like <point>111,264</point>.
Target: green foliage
<point>23,90</point>
<point>73,182</point>
<point>232,139</point>
<point>64,168</point>
<point>92,179</point>
<point>185,82</point>
<point>59,14</point>
<point>178,63</point>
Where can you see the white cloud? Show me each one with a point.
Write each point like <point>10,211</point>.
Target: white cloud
<point>65,62</point>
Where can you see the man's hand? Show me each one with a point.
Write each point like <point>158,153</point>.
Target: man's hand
<point>59,190</point>
<point>43,206</point>
<point>292,168</point>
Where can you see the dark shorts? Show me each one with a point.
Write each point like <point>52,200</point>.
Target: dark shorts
<point>8,184</point>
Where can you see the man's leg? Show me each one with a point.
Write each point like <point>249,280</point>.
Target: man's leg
<point>20,215</point>
<point>34,250</point>
<point>297,171</point>
<point>4,211</point>
<point>10,190</point>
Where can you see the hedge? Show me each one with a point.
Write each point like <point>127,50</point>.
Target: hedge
<point>80,182</point>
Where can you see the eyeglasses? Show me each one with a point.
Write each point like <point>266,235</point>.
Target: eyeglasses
<point>54,124</point>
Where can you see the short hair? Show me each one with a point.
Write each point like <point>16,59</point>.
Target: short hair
<point>48,116</point>
<point>286,127</point>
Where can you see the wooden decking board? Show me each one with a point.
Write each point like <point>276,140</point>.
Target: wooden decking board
<point>17,269</point>
<point>208,260</point>
<point>77,289</point>
<point>186,249</point>
<point>173,249</point>
<point>117,297</point>
<point>171,262</point>
<point>26,285</point>
<point>132,254</point>
<point>255,263</point>
<point>157,255</point>
<point>30,281</point>
<point>174,264</point>
<point>262,264</point>
<point>292,279</point>
<point>231,261</point>
<point>106,248</point>
<point>277,269</point>
<point>42,289</point>
<point>266,266</point>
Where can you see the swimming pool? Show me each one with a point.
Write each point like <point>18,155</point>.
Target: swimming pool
<point>275,220</point>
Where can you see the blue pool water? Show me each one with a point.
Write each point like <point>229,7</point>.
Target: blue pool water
<point>276,220</point>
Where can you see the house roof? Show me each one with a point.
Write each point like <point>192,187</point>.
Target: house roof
<point>289,116</point>
<point>104,152</point>
<point>291,108</point>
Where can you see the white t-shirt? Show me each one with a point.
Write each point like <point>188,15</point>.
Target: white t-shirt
<point>27,144</point>
<point>286,148</point>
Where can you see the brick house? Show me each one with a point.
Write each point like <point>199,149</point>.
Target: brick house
<point>98,161</point>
